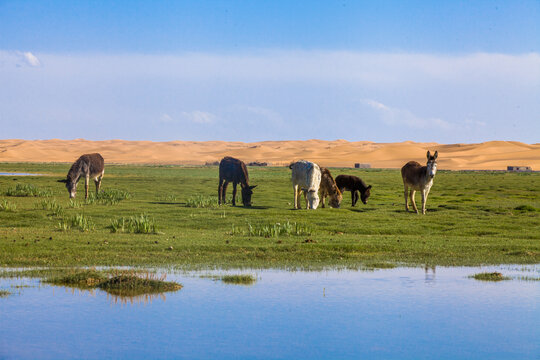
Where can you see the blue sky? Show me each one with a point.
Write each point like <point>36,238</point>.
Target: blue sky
<point>444,71</point>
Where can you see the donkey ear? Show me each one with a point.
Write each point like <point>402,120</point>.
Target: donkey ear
<point>253,187</point>
<point>428,155</point>
<point>369,187</point>
<point>62,181</point>
<point>436,154</point>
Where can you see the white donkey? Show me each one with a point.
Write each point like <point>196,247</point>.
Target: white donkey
<point>418,177</point>
<point>306,177</point>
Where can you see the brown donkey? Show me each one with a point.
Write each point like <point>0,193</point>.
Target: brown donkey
<point>418,177</point>
<point>329,188</point>
<point>231,169</point>
<point>89,166</point>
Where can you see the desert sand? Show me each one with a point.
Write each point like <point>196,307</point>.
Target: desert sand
<point>492,155</point>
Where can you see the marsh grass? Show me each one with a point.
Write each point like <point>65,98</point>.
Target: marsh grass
<point>273,230</point>
<point>201,201</point>
<point>4,293</point>
<point>27,190</point>
<point>108,197</point>
<point>51,205</point>
<point>493,276</point>
<point>485,231</point>
<point>7,206</point>
<point>116,282</point>
<point>526,208</point>
<point>243,279</point>
<point>78,221</point>
<point>141,224</point>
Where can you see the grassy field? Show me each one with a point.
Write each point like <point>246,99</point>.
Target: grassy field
<point>168,216</point>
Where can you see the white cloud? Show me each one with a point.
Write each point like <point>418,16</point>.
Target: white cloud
<point>31,59</point>
<point>199,117</point>
<point>395,116</point>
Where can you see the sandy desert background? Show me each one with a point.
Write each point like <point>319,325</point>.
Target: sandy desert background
<point>492,155</point>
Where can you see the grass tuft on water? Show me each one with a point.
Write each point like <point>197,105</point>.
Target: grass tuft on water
<point>493,276</point>
<point>116,282</point>
<point>238,279</point>
<point>4,293</point>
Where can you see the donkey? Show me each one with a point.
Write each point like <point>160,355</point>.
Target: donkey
<point>418,177</point>
<point>354,184</point>
<point>89,166</point>
<point>306,177</point>
<point>231,169</point>
<point>330,189</point>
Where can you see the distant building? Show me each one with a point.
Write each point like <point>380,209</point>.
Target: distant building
<point>518,168</point>
<point>362,166</point>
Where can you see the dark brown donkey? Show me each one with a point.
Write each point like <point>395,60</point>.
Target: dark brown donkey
<point>354,184</point>
<point>418,177</point>
<point>329,188</point>
<point>235,171</point>
<point>89,166</point>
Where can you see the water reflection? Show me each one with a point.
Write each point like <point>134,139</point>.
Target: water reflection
<point>407,313</point>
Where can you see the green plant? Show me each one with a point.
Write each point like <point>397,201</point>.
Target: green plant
<point>141,224</point>
<point>493,276</point>
<point>200,201</point>
<point>27,190</point>
<point>239,279</point>
<point>277,229</point>
<point>78,221</point>
<point>51,205</point>
<point>7,206</point>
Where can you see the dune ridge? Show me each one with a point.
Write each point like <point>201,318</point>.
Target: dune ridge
<point>491,155</point>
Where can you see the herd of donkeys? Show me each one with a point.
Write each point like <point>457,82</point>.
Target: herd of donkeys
<point>307,177</point>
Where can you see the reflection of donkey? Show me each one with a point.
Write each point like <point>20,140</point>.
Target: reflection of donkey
<point>231,169</point>
<point>329,188</point>
<point>418,177</point>
<point>89,166</point>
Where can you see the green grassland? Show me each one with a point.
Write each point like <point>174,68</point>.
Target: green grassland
<point>168,216</point>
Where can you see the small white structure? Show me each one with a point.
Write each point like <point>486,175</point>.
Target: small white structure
<point>362,166</point>
<point>306,177</point>
<point>518,168</point>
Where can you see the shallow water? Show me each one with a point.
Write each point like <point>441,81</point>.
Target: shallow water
<point>404,313</point>
<point>18,174</point>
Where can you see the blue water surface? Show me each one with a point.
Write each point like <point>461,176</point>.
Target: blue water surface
<point>404,313</point>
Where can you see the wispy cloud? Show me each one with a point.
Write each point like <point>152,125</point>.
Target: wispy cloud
<point>395,116</point>
<point>19,59</point>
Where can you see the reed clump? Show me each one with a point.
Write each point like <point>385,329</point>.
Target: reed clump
<point>492,276</point>
<point>141,224</point>
<point>241,279</point>
<point>7,206</point>
<point>27,190</point>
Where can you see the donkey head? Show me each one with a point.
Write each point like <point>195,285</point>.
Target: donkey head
<point>71,186</point>
<point>335,199</point>
<point>432,164</point>
<point>246,195</point>
<point>312,198</point>
<point>364,195</point>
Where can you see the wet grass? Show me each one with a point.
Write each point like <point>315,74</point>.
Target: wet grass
<point>244,279</point>
<point>116,282</point>
<point>495,225</point>
<point>492,276</point>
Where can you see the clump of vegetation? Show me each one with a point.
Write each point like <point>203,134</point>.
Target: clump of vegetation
<point>108,197</point>
<point>78,221</point>
<point>119,282</point>
<point>7,206</point>
<point>275,229</point>
<point>239,279</point>
<point>493,276</point>
<point>380,265</point>
<point>4,293</point>
<point>27,190</point>
<point>526,208</point>
<point>141,224</point>
<point>200,201</point>
<point>51,205</point>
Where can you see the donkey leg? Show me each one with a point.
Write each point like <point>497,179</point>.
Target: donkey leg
<point>86,181</point>
<point>355,197</point>
<point>406,198</point>
<point>323,197</point>
<point>234,193</point>
<point>295,195</point>
<point>424,200</point>
<point>413,202</point>
<point>219,190</point>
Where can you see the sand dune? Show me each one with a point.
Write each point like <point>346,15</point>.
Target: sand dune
<point>492,155</point>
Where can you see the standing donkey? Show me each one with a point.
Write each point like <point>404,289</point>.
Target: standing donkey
<point>329,188</point>
<point>306,178</point>
<point>89,166</point>
<point>418,177</point>
<point>231,169</point>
